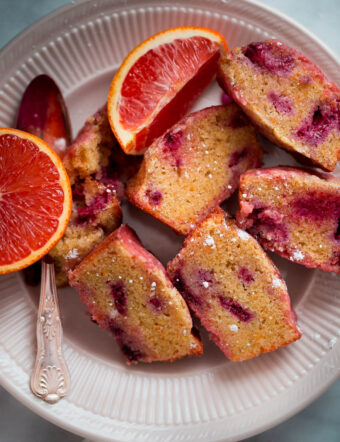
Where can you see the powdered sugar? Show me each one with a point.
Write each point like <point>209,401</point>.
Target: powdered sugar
<point>298,255</point>
<point>60,144</point>
<point>233,328</point>
<point>243,235</point>
<point>73,253</point>
<point>209,241</point>
<point>277,283</point>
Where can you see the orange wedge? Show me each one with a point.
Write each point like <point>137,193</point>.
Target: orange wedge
<point>35,199</point>
<point>159,81</point>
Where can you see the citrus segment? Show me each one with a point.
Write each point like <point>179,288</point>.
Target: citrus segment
<point>181,58</point>
<point>159,81</point>
<point>35,199</point>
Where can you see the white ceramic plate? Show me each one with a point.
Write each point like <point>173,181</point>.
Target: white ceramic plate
<point>208,398</point>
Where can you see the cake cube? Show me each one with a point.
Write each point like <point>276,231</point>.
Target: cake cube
<point>128,292</point>
<point>287,97</point>
<point>96,152</point>
<point>293,212</point>
<point>195,166</point>
<point>95,213</point>
<point>234,289</point>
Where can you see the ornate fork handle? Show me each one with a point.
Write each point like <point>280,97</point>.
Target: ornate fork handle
<point>50,378</point>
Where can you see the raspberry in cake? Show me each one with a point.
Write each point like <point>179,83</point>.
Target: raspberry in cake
<point>287,97</point>
<point>293,212</point>
<point>233,287</point>
<point>128,292</point>
<point>195,166</point>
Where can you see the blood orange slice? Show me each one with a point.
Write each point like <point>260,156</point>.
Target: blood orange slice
<point>35,199</point>
<point>159,81</point>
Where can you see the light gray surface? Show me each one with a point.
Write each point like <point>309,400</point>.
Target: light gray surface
<point>318,422</point>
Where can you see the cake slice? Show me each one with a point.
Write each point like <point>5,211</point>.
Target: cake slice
<point>287,97</point>
<point>95,213</point>
<point>128,292</point>
<point>295,213</point>
<point>233,287</point>
<point>195,166</point>
<point>95,152</point>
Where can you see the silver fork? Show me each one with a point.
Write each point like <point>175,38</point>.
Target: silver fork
<point>50,377</point>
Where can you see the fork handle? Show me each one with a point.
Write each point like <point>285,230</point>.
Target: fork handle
<point>50,378</point>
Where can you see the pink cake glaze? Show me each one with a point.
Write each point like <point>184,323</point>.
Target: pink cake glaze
<point>287,97</point>
<point>195,166</point>
<point>132,244</point>
<point>234,289</point>
<point>128,292</point>
<point>295,213</point>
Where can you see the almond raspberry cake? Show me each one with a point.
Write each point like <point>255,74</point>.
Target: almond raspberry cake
<point>287,97</point>
<point>128,292</point>
<point>195,166</point>
<point>293,212</point>
<point>234,288</point>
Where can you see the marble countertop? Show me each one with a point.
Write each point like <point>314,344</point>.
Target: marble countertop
<point>319,421</point>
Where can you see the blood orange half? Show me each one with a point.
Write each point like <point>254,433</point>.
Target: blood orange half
<point>35,199</point>
<point>159,81</point>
